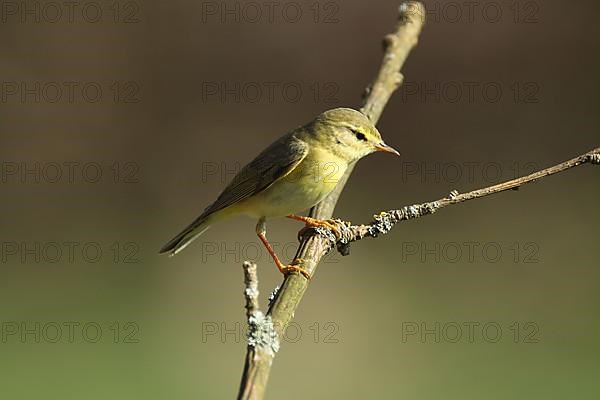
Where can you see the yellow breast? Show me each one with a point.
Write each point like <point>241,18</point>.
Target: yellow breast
<point>309,183</point>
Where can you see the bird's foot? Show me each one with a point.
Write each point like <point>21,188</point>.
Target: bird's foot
<point>312,223</point>
<point>294,269</point>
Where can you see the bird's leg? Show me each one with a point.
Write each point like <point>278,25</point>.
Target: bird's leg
<point>315,223</point>
<point>261,230</point>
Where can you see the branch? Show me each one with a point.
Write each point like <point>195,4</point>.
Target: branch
<point>261,332</point>
<point>251,292</point>
<point>385,221</point>
<point>397,46</point>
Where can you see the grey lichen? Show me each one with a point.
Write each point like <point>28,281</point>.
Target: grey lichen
<point>252,292</point>
<point>273,295</point>
<point>327,233</point>
<point>262,333</point>
<point>386,220</point>
<point>383,222</point>
<point>382,225</point>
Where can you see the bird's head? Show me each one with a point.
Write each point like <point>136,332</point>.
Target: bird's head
<point>349,133</point>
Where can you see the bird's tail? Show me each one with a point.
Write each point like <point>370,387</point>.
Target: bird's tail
<point>185,237</point>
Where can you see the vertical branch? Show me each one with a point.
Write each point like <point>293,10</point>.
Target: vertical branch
<point>263,341</point>
<point>397,47</point>
<point>251,292</point>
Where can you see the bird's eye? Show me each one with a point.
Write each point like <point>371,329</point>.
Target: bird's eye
<point>359,135</point>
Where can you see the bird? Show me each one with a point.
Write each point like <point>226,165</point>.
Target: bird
<point>293,174</point>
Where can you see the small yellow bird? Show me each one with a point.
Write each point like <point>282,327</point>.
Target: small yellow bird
<point>291,175</point>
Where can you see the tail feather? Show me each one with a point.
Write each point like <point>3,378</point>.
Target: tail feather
<point>185,237</point>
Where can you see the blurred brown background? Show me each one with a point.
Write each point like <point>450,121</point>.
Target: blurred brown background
<point>121,121</point>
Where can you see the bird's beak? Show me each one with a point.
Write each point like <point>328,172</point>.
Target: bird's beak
<point>384,147</point>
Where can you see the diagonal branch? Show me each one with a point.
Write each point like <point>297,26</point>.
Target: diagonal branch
<point>397,47</point>
<point>385,221</point>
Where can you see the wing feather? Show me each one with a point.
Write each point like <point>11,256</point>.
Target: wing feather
<point>275,162</point>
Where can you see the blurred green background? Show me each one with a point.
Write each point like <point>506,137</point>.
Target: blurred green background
<point>492,299</point>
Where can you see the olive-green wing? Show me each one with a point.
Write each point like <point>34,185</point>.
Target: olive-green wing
<point>275,162</point>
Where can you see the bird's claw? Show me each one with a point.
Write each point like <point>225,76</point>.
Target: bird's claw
<point>312,223</point>
<point>295,269</point>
